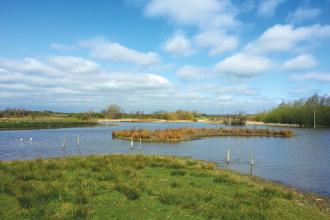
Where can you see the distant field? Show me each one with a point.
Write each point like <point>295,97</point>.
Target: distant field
<point>183,134</point>
<point>144,187</point>
<point>42,123</point>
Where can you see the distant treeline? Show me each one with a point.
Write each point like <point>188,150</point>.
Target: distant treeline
<point>111,112</point>
<point>300,112</point>
<point>21,112</point>
<point>115,112</point>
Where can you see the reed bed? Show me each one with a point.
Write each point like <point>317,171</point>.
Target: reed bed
<point>183,134</point>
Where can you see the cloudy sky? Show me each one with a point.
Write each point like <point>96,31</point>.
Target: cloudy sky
<point>213,56</point>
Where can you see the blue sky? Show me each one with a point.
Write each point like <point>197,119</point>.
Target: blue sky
<point>212,56</point>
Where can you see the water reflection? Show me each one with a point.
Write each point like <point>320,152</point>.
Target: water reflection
<point>301,161</point>
<point>251,170</point>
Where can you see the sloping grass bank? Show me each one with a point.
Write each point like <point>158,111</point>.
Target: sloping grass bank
<point>184,134</point>
<point>144,187</point>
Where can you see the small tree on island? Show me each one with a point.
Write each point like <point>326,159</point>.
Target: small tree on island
<point>113,111</point>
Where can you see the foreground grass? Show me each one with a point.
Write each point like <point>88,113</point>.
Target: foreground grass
<point>184,134</point>
<point>42,123</point>
<point>144,187</point>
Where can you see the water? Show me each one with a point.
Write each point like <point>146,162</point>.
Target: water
<point>302,161</point>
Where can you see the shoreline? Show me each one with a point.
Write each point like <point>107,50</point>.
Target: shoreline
<point>260,123</point>
<point>101,121</point>
<point>323,197</point>
<point>171,172</point>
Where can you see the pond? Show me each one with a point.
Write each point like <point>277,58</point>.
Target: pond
<point>302,161</point>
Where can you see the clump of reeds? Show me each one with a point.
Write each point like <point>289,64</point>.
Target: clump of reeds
<point>182,134</point>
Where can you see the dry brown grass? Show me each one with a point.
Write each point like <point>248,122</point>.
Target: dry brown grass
<point>182,134</point>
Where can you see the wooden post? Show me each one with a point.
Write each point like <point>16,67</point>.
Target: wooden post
<point>251,159</point>
<point>63,145</point>
<point>78,144</point>
<point>314,115</point>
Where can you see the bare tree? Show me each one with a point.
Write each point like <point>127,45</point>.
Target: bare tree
<point>113,111</point>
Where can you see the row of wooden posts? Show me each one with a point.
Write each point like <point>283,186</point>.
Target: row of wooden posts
<point>140,148</point>
<point>64,143</point>
<point>228,158</point>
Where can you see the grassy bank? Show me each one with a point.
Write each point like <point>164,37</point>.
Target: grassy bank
<point>141,187</point>
<point>42,123</point>
<point>183,134</point>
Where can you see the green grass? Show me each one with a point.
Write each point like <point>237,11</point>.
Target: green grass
<point>42,123</point>
<point>144,187</point>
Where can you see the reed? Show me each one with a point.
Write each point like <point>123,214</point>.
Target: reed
<point>183,134</point>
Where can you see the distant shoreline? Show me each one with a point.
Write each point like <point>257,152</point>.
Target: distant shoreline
<point>187,121</point>
<point>260,123</point>
<point>146,120</point>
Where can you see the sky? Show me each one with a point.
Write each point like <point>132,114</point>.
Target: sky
<point>212,56</point>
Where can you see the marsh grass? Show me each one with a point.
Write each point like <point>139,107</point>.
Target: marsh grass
<point>44,123</point>
<point>120,186</point>
<point>184,134</point>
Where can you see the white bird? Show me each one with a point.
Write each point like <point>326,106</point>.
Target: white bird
<point>21,140</point>
<point>31,139</point>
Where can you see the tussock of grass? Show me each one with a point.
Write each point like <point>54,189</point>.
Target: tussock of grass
<point>183,134</point>
<point>178,172</point>
<point>144,187</point>
<point>130,193</point>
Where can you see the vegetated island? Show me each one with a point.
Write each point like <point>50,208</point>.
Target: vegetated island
<point>185,134</point>
<point>145,187</point>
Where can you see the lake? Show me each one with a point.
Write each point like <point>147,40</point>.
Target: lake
<point>302,161</point>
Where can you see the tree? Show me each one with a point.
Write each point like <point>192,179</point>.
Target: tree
<point>113,111</point>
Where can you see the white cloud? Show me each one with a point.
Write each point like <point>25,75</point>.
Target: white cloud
<point>282,38</point>
<point>131,81</point>
<point>243,65</point>
<point>303,13</point>
<point>74,76</point>
<point>237,90</point>
<point>178,45</point>
<point>303,61</point>
<point>27,65</point>
<point>217,41</point>
<point>62,47</point>
<point>74,64</point>
<point>189,72</point>
<point>268,8</point>
<point>200,13</point>
<point>103,49</point>
<point>313,76</point>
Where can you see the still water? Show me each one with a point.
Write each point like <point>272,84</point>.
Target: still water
<point>302,161</point>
